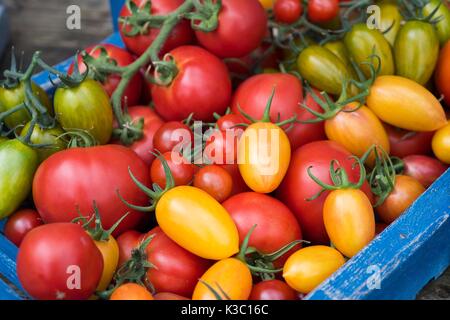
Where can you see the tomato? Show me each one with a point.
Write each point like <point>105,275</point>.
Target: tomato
<point>320,11</point>
<point>176,270</point>
<point>18,163</point>
<point>404,143</point>
<point>49,137</point>
<point>202,86</point>
<point>230,275</point>
<point>221,146</point>
<point>215,180</point>
<point>363,42</point>
<point>322,69</point>
<point>391,18</point>
<point>349,220</point>
<point>308,267</point>
<point>72,179</point>
<point>441,144</point>
<point>406,191</point>
<point>357,130</point>
<point>85,107</point>
<point>119,57</point>
<point>288,11</point>
<point>239,184</point>
<point>442,77</point>
<point>340,50</point>
<point>126,242</point>
<point>423,168</point>
<point>379,227</point>
<point>298,186</point>
<point>170,135</point>
<point>3,139</point>
<point>10,98</point>
<point>59,261</point>
<point>110,253</point>
<point>236,17</point>
<point>20,223</point>
<point>443,13</point>
<point>276,225</point>
<point>198,223</point>
<point>267,4</point>
<point>230,121</point>
<point>264,153</point>
<point>272,290</point>
<point>182,33</point>
<point>131,291</point>
<point>416,51</point>
<point>168,296</point>
<point>403,103</point>
<point>182,170</point>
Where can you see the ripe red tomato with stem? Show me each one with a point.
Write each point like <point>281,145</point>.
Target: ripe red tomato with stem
<point>215,180</point>
<point>170,135</point>
<point>287,11</point>
<point>272,290</point>
<point>20,223</point>
<point>126,242</point>
<point>320,11</point>
<point>230,121</point>
<point>182,170</point>
<point>404,143</point>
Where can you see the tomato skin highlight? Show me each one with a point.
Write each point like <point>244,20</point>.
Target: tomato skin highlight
<point>131,291</point>
<point>442,76</point>
<point>198,223</point>
<point>231,274</point>
<point>308,267</point>
<point>272,290</point>
<point>403,103</point>
<point>423,168</point>
<point>20,223</point>
<point>441,144</point>
<point>349,220</point>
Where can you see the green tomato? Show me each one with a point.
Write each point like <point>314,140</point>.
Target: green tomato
<point>416,51</point>
<point>443,13</point>
<point>85,107</point>
<point>339,49</point>
<point>18,163</point>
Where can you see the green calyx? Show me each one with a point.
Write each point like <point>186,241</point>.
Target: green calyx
<point>141,20</point>
<point>339,177</point>
<point>130,131</point>
<point>222,295</point>
<point>97,68</point>
<point>205,17</point>
<point>78,138</point>
<point>413,10</point>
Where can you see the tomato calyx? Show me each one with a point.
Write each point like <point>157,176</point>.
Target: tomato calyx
<point>205,18</point>
<point>413,10</point>
<point>140,21</point>
<point>78,138</point>
<point>90,62</point>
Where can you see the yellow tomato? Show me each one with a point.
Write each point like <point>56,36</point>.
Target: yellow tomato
<point>198,223</point>
<point>349,220</point>
<point>441,144</point>
<point>110,252</point>
<point>405,104</point>
<point>357,131</point>
<point>267,4</point>
<point>230,275</point>
<point>264,153</point>
<point>308,267</point>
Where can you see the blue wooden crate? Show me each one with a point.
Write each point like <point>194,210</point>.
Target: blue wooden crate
<point>395,265</point>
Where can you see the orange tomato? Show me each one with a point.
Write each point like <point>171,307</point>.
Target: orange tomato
<point>442,75</point>
<point>267,4</point>
<point>131,291</point>
<point>441,144</point>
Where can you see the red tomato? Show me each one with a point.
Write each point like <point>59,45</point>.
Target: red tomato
<point>72,179</point>
<point>423,168</point>
<point>322,10</point>
<point>20,223</point>
<point>170,134</point>
<point>152,122</point>
<point>182,34</point>
<point>442,76</point>
<point>297,185</point>
<point>404,143</point>
<point>287,11</point>
<point>272,290</point>
<point>221,146</point>
<point>182,170</point>
<point>122,58</point>
<point>276,225</point>
<point>176,269</point>
<point>241,29</point>
<point>215,180</point>
<point>239,184</point>
<point>126,242</point>
<point>59,261</point>
<point>230,121</point>
<point>202,86</point>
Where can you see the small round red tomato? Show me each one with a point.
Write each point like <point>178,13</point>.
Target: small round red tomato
<point>287,11</point>
<point>170,135</point>
<point>230,121</point>
<point>131,291</point>
<point>215,180</point>
<point>182,170</point>
<point>320,11</point>
<point>20,223</point>
<point>152,122</point>
<point>241,29</point>
<point>202,86</point>
<point>127,242</point>
<point>221,146</point>
<point>423,168</point>
<point>276,225</point>
<point>121,58</point>
<point>59,261</point>
<point>272,290</point>
<point>442,76</point>
<point>404,143</point>
<point>182,34</point>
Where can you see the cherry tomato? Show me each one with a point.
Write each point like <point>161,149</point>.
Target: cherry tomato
<point>404,143</point>
<point>131,291</point>
<point>126,242</point>
<point>441,77</point>
<point>423,168</point>
<point>288,11</point>
<point>221,146</point>
<point>215,180</point>
<point>170,135</point>
<point>272,290</point>
<point>239,184</point>
<point>441,144</point>
<point>182,170</point>
<point>20,223</point>
<point>236,17</point>
<point>230,121</point>
<point>322,10</point>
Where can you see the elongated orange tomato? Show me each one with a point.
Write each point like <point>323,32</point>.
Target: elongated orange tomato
<point>198,223</point>
<point>131,291</point>
<point>349,220</point>
<point>264,153</point>
<point>308,267</point>
<point>230,278</point>
<point>441,144</point>
<point>110,252</point>
<point>358,130</point>
<point>405,104</point>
